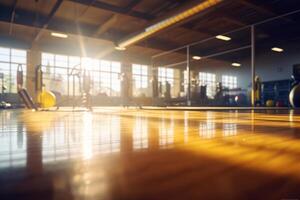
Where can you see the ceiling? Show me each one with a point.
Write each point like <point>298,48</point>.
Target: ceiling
<point>105,22</point>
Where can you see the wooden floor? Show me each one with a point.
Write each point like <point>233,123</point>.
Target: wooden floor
<point>116,153</point>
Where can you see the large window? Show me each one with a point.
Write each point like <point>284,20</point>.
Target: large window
<point>140,79</point>
<point>229,81</point>
<point>9,61</point>
<point>209,80</point>
<point>140,75</point>
<point>55,69</point>
<point>104,74</point>
<point>166,74</point>
<point>109,77</point>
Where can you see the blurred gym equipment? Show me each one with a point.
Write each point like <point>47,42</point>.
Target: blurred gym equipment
<point>257,90</point>
<point>44,98</point>
<point>270,103</point>
<point>294,96</point>
<point>23,93</point>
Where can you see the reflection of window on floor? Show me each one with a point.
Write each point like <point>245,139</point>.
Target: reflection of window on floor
<point>166,132</point>
<point>81,138</point>
<point>9,61</point>
<point>140,133</point>
<point>140,78</point>
<point>186,126</point>
<point>207,129</point>
<point>104,74</point>
<point>229,81</point>
<point>13,143</point>
<point>209,80</point>
<point>229,129</point>
<point>109,135</point>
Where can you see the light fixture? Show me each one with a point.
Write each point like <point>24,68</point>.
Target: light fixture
<point>223,37</point>
<point>277,49</point>
<point>60,35</point>
<point>120,48</point>
<point>196,57</point>
<point>236,64</point>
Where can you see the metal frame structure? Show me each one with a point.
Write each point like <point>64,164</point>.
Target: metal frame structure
<point>251,46</point>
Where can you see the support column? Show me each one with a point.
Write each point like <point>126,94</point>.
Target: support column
<point>253,65</point>
<point>188,75</point>
<point>33,59</point>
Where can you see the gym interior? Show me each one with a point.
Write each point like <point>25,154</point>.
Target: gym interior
<point>149,99</point>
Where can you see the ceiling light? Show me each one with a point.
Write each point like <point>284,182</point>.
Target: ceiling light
<point>196,57</point>
<point>120,48</point>
<point>277,49</point>
<point>223,37</point>
<point>60,35</point>
<point>236,64</point>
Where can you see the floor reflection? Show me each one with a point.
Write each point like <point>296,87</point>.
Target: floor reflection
<point>12,142</point>
<point>166,131</point>
<point>114,153</point>
<point>140,133</point>
<point>93,134</point>
<point>207,127</point>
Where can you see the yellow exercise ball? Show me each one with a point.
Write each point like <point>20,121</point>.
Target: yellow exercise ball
<point>46,99</point>
<point>270,103</point>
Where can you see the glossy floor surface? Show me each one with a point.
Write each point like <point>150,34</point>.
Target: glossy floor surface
<point>115,153</point>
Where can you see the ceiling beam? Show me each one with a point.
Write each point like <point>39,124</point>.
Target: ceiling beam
<point>113,18</point>
<point>48,19</point>
<point>139,15</point>
<point>256,7</point>
<point>12,18</point>
<point>234,21</point>
<point>262,9</point>
<point>115,9</point>
<point>106,25</point>
<point>27,18</point>
<point>132,4</point>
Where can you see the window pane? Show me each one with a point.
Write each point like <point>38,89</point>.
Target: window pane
<point>4,54</point>
<point>9,61</point>
<point>105,65</point>
<point>136,69</point>
<point>47,59</point>
<point>229,81</point>
<point>116,67</point>
<point>74,61</point>
<point>61,61</point>
<point>18,56</point>
<point>144,70</point>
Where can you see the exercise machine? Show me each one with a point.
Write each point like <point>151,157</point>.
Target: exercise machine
<point>23,93</point>
<point>45,99</point>
<point>85,82</point>
<point>86,96</point>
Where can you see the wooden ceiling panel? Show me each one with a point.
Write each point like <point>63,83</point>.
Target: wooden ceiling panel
<point>84,14</point>
<point>42,7</point>
<point>119,3</point>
